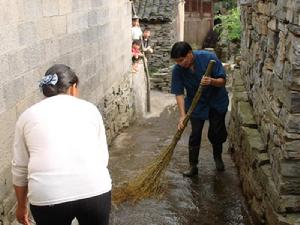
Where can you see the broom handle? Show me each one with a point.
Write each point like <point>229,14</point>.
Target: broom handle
<point>196,98</point>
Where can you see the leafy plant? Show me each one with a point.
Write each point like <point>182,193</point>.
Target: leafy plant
<point>230,29</point>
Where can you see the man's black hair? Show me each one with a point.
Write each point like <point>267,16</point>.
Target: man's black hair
<point>180,49</point>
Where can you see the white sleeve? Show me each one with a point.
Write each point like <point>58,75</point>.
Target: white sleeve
<point>20,158</point>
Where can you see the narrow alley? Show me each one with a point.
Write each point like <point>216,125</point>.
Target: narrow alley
<point>212,198</point>
<point>76,77</point>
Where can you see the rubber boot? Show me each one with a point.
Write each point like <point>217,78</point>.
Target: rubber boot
<point>193,160</point>
<point>217,151</point>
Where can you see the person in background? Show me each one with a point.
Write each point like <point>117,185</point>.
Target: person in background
<point>187,75</point>
<point>136,32</point>
<point>136,54</point>
<point>213,35</point>
<point>146,41</point>
<point>60,156</point>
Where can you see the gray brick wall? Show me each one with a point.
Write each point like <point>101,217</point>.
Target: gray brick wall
<point>91,36</point>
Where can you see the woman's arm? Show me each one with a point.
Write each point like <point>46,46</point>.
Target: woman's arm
<point>22,210</point>
<point>19,174</point>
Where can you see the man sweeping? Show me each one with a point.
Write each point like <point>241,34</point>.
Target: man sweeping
<point>186,76</point>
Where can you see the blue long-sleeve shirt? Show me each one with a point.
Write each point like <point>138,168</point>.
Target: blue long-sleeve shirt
<point>186,79</point>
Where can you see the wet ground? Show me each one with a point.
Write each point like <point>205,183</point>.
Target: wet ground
<point>211,198</point>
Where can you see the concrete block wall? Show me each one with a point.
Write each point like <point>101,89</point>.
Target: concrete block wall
<point>91,36</point>
<point>265,123</point>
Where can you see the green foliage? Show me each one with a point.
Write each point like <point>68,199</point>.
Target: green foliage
<point>230,29</point>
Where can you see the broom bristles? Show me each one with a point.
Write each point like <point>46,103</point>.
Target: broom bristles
<point>146,183</point>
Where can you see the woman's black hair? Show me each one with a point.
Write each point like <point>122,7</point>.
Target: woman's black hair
<point>180,49</point>
<point>66,78</point>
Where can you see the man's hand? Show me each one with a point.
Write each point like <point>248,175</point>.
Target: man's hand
<point>205,81</point>
<point>22,215</point>
<point>148,49</point>
<point>180,123</point>
<point>216,82</point>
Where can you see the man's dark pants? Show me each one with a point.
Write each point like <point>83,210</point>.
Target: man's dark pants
<point>217,135</point>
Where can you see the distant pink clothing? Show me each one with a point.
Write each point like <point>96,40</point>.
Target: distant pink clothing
<point>135,52</point>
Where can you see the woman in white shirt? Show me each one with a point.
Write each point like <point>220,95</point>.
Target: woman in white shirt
<point>60,157</point>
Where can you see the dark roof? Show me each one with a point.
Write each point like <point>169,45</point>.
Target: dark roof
<point>154,11</point>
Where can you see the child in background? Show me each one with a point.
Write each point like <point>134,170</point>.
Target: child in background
<point>136,54</point>
<point>147,41</point>
<point>136,32</point>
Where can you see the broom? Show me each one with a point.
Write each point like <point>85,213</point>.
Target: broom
<point>148,181</point>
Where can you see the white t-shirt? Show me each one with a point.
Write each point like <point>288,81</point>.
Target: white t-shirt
<point>136,33</point>
<point>60,151</point>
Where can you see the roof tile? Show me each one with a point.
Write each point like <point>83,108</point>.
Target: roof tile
<point>153,11</point>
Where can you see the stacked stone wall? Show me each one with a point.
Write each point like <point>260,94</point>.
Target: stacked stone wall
<point>265,123</point>
<point>84,34</point>
<point>163,37</point>
<point>161,80</point>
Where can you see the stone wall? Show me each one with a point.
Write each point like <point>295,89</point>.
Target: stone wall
<point>117,106</point>
<point>84,34</point>
<point>265,123</point>
<point>166,22</point>
<point>163,36</point>
<point>161,80</point>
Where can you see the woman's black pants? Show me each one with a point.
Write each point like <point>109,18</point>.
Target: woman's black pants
<point>89,211</point>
